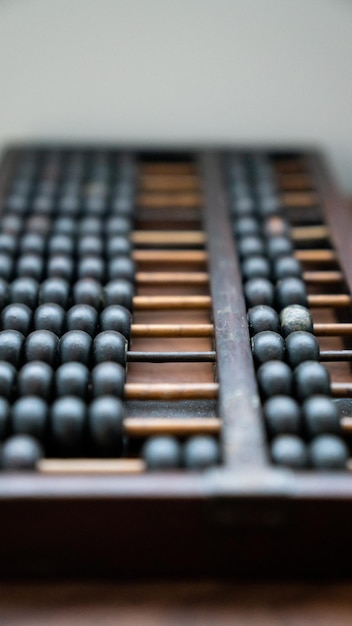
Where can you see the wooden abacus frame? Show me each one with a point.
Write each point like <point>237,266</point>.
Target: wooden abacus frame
<point>245,517</point>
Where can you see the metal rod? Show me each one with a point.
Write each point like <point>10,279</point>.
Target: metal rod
<point>336,355</point>
<point>152,303</point>
<point>323,277</point>
<point>171,391</point>
<point>172,278</point>
<point>315,256</point>
<point>332,330</point>
<point>91,466</point>
<point>170,256</point>
<point>171,357</point>
<point>341,390</point>
<point>147,426</point>
<point>308,233</point>
<point>173,330</point>
<point>168,237</point>
<point>329,300</point>
<point>299,199</point>
<point>151,200</point>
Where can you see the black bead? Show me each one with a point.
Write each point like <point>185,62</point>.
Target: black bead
<point>242,206</point>
<point>118,246</point>
<point>68,422</point>
<point>283,416</point>
<point>123,206</point>
<point>90,246</point>
<point>320,416</point>
<point>285,267</point>
<point>50,316</point>
<point>38,224</point>
<point>7,379</point>
<point>328,452</point>
<point>90,226</point>
<point>11,346</point>
<point>259,291</point>
<point>118,225</point>
<point>17,204</point>
<point>83,317</point>
<point>12,224</point>
<point>42,345</point>
<point>295,317</point>
<point>60,266</point>
<point>64,226</point>
<point>6,266</point>
<point>55,290</point>
<point>4,293</point>
<point>8,244</point>
<point>21,452</point>
<point>32,243</point>
<point>301,346</point>
<point>250,246</point>
<point>268,206</point>
<point>24,291</point>
<point>75,345</point>
<point>255,267</point>
<point>117,318</point>
<point>29,416</point>
<point>61,245</point>
<point>35,378</point>
<point>43,204</point>
<point>17,317</point>
<point>108,379</point>
<point>120,292</point>
<point>110,345</point>
<point>274,378</point>
<point>105,419</point>
<point>91,267</point>
<point>276,225</point>
<point>289,451</point>
<point>279,246</point>
<point>267,346</point>
<point>72,379</point>
<point>69,205</point>
<point>4,417</point>
<point>122,268</point>
<point>200,452</point>
<point>262,317</point>
<point>311,378</point>
<point>246,226</point>
<point>30,265</point>
<point>88,291</point>
<point>162,453</point>
<point>291,291</point>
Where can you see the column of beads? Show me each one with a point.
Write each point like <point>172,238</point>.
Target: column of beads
<point>64,322</point>
<point>294,386</point>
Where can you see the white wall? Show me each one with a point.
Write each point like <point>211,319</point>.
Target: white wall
<point>180,71</point>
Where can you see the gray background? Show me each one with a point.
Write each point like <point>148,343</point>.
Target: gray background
<point>182,71</point>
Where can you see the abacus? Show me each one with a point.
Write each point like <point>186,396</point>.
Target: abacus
<point>175,384</point>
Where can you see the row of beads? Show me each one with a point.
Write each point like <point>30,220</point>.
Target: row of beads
<point>166,453</point>
<point>272,277</point>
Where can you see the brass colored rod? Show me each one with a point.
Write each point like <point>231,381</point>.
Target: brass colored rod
<point>172,330</point>
<point>147,426</point>
<point>332,330</point>
<point>341,390</point>
<point>171,391</point>
<point>186,182</point>
<point>172,278</point>
<point>315,255</point>
<point>170,256</point>
<point>307,233</point>
<point>169,200</point>
<point>152,303</point>
<point>346,424</point>
<point>299,199</point>
<point>168,237</point>
<point>91,466</point>
<point>329,300</point>
<point>323,277</point>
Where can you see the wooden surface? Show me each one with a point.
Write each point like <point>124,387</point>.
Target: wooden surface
<point>175,604</point>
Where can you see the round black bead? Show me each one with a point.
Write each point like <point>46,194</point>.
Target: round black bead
<point>250,246</point>
<point>291,291</point>
<point>301,346</point>
<point>90,246</point>
<point>60,266</point>
<point>122,268</point>
<point>279,246</point>
<point>246,226</point>
<point>162,453</point>
<point>61,245</point>
<point>42,345</point>
<point>8,244</point>
<point>69,205</point>
<point>38,224</point>
<point>68,422</point>
<point>64,226</point>
<point>283,416</point>
<point>35,378</point>
<point>21,452</point>
<point>289,451</point>
<point>4,417</point>
<point>83,317</point>
<point>108,379</point>
<point>7,379</point>
<point>12,224</point>
<point>30,265</point>
<point>17,317</point>
<point>91,267</point>
<point>72,379</point>
<point>11,346</point>
<point>268,205</point>
<point>88,291</point>
<point>295,317</point>
<point>51,317</point>
<point>55,290</point>
<point>32,243</point>
<point>320,416</point>
<point>262,317</point>
<point>110,345</point>
<point>274,378</point>
<point>267,346</point>
<point>311,378</point>
<point>259,291</point>
<point>255,267</point>
<point>29,416</point>
<point>4,293</point>
<point>75,345</point>
<point>328,452</point>
<point>90,226</point>
<point>118,246</point>
<point>6,266</point>
<point>105,419</point>
<point>24,291</point>
<point>242,205</point>
<point>201,452</point>
<point>120,292</point>
<point>118,225</point>
<point>117,318</point>
<point>285,267</point>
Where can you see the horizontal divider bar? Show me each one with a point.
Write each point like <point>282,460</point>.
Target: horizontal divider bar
<point>171,357</point>
<point>91,466</point>
<point>173,330</point>
<point>168,237</point>
<point>323,277</point>
<point>171,391</point>
<point>152,303</point>
<point>336,355</point>
<point>172,278</point>
<point>329,300</point>
<point>315,255</point>
<point>147,426</point>
<point>332,330</point>
<point>170,256</point>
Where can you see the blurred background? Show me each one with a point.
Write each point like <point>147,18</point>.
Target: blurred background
<point>182,72</point>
